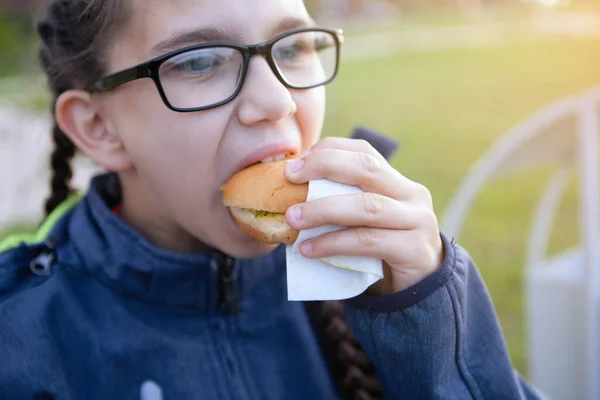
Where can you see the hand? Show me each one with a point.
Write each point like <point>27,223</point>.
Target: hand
<point>392,220</point>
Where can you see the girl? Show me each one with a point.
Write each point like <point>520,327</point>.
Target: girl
<point>144,288</point>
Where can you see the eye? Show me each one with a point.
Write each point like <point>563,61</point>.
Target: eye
<point>198,64</point>
<point>290,51</point>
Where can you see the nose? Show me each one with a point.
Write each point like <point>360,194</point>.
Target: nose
<point>263,98</point>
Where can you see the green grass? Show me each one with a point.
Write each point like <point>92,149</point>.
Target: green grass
<point>448,108</point>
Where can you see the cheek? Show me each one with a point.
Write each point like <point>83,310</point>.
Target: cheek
<point>174,153</point>
<point>135,107</point>
<point>310,114</point>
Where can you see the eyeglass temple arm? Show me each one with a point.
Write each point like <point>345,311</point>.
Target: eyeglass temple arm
<point>112,81</point>
<point>384,145</point>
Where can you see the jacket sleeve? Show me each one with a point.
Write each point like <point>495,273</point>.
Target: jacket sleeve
<point>439,339</point>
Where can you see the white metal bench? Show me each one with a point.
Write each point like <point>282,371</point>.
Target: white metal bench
<point>561,292</point>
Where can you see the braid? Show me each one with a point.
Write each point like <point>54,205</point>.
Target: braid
<point>356,371</point>
<point>71,56</point>
<point>64,150</point>
<point>63,153</point>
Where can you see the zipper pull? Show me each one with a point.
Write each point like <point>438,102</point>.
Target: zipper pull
<point>229,290</point>
<point>44,260</point>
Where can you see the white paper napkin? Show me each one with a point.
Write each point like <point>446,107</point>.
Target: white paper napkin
<point>334,278</point>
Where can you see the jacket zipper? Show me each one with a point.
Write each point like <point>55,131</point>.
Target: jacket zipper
<point>228,290</point>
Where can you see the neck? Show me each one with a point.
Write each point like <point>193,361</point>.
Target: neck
<point>142,211</point>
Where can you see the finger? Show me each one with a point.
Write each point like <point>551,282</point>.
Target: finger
<point>363,209</point>
<point>348,144</point>
<point>371,174</point>
<point>398,248</point>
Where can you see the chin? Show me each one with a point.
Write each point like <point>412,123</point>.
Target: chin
<point>245,247</point>
<point>252,250</point>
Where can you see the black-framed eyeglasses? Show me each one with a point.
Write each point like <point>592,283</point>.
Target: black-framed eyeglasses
<point>206,76</point>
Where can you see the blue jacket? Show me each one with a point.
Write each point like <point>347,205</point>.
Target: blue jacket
<point>102,314</point>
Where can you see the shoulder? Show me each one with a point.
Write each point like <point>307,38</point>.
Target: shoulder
<point>29,295</point>
<point>26,284</point>
<point>23,327</point>
<point>31,313</point>
<point>24,258</point>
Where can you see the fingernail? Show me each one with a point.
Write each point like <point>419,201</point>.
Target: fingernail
<point>296,213</point>
<point>306,248</point>
<point>296,165</point>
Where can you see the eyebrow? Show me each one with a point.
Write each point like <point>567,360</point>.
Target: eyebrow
<point>202,35</point>
<point>211,34</point>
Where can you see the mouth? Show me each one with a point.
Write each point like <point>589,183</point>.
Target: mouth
<point>278,157</point>
<point>266,154</point>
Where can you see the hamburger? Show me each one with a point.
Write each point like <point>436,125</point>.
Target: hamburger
<point>258,198</point>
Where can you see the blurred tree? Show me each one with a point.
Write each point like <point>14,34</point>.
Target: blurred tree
<point>17,44</point>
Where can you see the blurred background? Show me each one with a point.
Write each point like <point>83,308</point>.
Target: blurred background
<point>449,79</point>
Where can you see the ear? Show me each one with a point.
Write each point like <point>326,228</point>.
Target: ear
<point>82,120</point>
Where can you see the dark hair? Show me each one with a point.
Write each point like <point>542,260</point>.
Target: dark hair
<point>73,54</point>
<point>351,368</point>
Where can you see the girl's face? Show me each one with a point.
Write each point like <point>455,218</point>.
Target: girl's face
<point>178,161</point>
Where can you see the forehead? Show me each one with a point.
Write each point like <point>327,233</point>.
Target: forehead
<point>253,21</point>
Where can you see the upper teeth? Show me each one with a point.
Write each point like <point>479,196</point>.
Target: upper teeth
<point>275,158</point>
